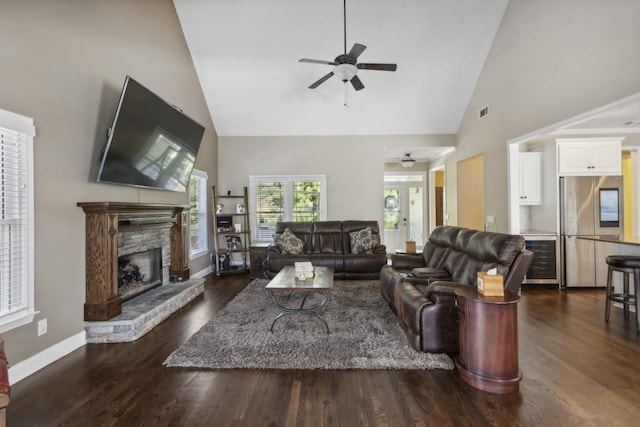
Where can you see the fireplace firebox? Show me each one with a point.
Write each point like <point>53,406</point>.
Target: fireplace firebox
<point>139,272</point>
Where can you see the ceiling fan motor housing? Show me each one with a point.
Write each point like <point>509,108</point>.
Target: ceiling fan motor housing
<point>345,59</point>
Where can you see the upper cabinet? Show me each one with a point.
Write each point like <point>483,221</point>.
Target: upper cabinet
<point>589,156</point>
<point>530,166</point>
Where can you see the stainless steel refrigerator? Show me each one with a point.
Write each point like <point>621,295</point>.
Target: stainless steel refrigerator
<point>590,211</point>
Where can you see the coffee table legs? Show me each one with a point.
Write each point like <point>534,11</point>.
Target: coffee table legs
<point>310,311</point>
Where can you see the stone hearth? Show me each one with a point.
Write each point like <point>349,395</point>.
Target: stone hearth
<point>144,312</point>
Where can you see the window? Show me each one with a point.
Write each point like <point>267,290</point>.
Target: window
<point>17,302</point>
<point>198,213</point>
<point>285,198</point>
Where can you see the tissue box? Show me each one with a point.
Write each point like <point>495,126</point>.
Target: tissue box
<point>490,285</point>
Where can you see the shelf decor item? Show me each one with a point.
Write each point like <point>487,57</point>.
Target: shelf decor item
<point>224,260</point>
<point>240,208</point>
<point>223,223</point>
<point>233,242</point>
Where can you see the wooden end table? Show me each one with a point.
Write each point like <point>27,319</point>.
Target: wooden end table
<point>488,334</point>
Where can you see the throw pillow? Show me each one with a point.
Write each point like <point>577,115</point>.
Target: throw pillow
<point>289,242</point>
<point>363,241</point>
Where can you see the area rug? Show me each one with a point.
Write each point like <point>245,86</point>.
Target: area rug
<point>365,334</point>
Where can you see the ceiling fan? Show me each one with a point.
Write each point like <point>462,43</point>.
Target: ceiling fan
<point>346,65</point>
<point>407,161</point>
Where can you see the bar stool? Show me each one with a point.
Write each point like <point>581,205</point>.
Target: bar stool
<point>627,265</point>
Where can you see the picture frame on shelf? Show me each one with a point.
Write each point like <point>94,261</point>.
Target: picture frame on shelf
<point>233,242</point>
<point>224,223</point>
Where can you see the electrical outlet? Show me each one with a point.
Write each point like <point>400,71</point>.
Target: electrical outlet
<point>42,327</point>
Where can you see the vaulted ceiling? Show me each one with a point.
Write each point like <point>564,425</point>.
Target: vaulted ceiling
<point>246,55</point>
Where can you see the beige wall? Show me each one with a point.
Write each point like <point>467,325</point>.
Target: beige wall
<point>354,165</point>
<point>64,63</point>
<point>550,60</point>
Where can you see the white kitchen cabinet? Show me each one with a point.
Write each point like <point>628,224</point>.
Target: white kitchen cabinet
<point>530,165</point>
<point>589,156</point>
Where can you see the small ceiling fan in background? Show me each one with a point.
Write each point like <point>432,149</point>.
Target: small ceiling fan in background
<point>407,161</point>
<point>346,65</point>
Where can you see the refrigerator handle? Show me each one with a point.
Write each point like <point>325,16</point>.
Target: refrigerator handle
<point>561,205</point>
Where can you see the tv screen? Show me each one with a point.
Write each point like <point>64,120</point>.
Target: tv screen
<point>151,143</point>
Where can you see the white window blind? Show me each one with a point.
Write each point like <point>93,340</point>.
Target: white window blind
<point>198,213</point>
<point>298,198</point>
<point>16,220</point>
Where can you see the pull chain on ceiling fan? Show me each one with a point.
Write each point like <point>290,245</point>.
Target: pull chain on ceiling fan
<point>346,65</point>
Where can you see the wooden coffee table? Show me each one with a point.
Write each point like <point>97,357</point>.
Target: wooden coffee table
<point>286,282</point>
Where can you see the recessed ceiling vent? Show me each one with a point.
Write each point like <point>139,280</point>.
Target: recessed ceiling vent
<point>632,124</point>
<point>483,112</point>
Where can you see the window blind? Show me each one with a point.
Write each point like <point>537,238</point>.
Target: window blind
<point>297,198</point>
<point>198,213</point>
<point>14,226</point>
<point>17,302</point>
<point>270,207</point>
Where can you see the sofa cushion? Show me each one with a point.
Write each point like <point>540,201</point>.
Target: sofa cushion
<point>289,242</point>
<point>362,241</point>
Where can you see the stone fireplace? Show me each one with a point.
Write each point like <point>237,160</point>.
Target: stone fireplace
<point>131,248</point>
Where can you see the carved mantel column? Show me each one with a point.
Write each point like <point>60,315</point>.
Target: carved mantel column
<point>103,222</point>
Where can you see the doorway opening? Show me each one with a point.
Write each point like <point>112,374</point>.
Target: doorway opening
<point>437,198</point>
<point>404,202</point>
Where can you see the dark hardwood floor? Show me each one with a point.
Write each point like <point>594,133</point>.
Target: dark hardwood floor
<point>578,371</point>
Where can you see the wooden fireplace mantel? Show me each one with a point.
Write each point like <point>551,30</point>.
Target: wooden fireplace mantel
<point>103,222</point>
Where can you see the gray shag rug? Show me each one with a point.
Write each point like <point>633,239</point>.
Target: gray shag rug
<point>365,334</point>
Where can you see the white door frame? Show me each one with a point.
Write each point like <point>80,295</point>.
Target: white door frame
<point>423,179</point>
<point>432,198</point>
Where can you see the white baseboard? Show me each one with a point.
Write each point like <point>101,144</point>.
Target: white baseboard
<point>23,369</point>
<point>200,274</point>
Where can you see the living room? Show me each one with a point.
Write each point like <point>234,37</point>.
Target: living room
<point>64,64</point>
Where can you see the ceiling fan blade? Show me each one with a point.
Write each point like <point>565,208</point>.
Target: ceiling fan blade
<point>379,67</point>
<point>357,83</point>
<point>317,61</point>
<point>321,80</point>
<point>357,50</point>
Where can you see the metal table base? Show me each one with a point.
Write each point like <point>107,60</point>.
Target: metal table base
<point>309,311</point>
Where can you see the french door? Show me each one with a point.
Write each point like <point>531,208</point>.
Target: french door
<point>403,214</point>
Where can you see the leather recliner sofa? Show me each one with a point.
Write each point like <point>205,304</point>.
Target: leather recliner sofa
<point>420,289</point>
<point>328,244</point>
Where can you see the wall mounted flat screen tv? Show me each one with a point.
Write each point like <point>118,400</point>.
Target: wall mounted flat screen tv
<point>151,143</point>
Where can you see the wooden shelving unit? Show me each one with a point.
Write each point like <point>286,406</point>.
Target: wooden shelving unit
<point>231,232</point>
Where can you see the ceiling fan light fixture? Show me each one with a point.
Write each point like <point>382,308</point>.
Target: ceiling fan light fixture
<point>345,72</point>
<point>407,161</point>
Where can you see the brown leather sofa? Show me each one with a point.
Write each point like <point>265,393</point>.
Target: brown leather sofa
<point>420,289</point>
<point>328,244</point>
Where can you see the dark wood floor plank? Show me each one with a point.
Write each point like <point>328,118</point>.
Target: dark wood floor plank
<point>577,371</point>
